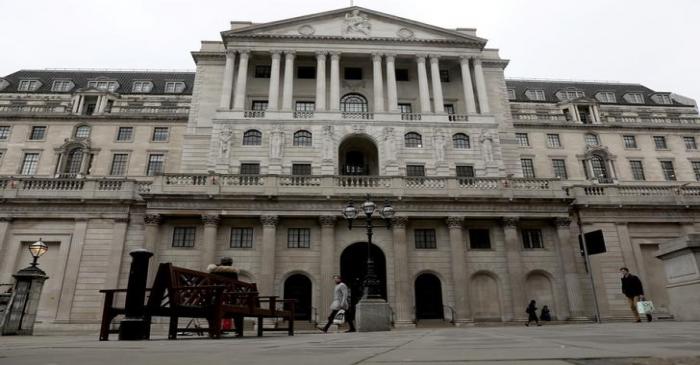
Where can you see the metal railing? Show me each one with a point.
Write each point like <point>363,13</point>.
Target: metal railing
<point>357,115</point>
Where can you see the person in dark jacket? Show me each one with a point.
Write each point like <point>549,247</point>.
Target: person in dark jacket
<point>532,313</point>
<point>545,315</point>
<point>633,290</point>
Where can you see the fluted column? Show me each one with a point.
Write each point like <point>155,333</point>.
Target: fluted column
<point>378,83</point>
<point>274,92</point>
<point>567,256</point>
<point>459,274</point>
<point>438,102</point>
<point>391,92</point>
<point>227,87</point>
<point>515,268</point>
<point>327,264</point>
<point>481,87</point>
<point>467,86</point>
<point>211,227</point>
<point>423,84</point>
<point>266,275</point>
<point>321,81</point>
<point>150,238</point>
<point>288,80</point>
<point>334,96</point>
<point>241,80</point>
<point>404,305</point>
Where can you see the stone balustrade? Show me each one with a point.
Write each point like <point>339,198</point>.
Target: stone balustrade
<point>630,195</point>
<point>60,188</point>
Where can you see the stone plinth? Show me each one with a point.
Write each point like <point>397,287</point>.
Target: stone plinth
<point>682,263</point>
<point>21,313</point>
<point>373,315</point>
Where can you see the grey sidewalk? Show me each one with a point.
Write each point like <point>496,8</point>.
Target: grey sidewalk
<point>547,345</point>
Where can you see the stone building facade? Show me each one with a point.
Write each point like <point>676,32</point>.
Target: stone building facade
<point>255,154</point>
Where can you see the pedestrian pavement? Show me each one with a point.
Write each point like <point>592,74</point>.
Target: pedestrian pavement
<point>586,344</point>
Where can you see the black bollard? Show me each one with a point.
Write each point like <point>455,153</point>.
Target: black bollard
<point>133,327</point>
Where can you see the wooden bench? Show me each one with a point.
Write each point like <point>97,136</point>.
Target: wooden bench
<point>183,293</point>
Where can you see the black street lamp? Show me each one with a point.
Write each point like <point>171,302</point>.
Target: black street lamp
<point>371,283</point>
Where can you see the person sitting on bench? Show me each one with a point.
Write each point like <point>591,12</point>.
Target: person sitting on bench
<point>224,268</point>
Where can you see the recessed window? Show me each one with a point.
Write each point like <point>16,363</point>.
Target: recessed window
<point>449,109</point>
<point>141,87</point>
<point>696,169</point>
<point>29,164</point>
<point>571,94</point>
<point>592,140</point>
<point>537,95</point>
<point>104,85</point>
<point>660,143</point>
<point>241,237</point>
<point>444,76</point>
<point>460,141</point>
<point>259,105</point>
<point>559,168</point>
<point>635,98</point>
<point>553,141</point>
<point>606,97</point>
<point>528,167</point>
<point>301,169</point>
<point>184,236</point>
<point>523,140</point>
<point>479,239</point>
<point>160,134</point>
<point>511,94</point>
<point>302,138</point>
<point>4,132</point>
<point>262,71</point>
<point>630,141</point>
<point>156,164</point>
<point>352,73</point>
<point>306,72</point>
<point>413,140</point>
<point>425,239</point>
<point>415,170</point>
<point>119,164</point>
<point>174,87</point>
<point>62,86</point>
<point>637,170</point>
<point>402,74</point>
<point>405,108</point>
<point>38,133</point>
<point>668,170</point>
<point>252,137</point>
<point>532,238</point>
<point>305,106</point>
<point>82,132</point>
<point>353,103</point>
<point>299,238</point>
<point>28,85</point>
<point>250,169</point>
<point>663,99</point>
<point>125,134</point>
<point>466,171</point>
<point>690,143</point>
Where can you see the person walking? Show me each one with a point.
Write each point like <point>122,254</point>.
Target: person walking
<point>341,301</point>
<point>633,290</point>
<point>532,313</point>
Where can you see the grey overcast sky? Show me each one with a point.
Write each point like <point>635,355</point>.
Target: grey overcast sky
<point>651,42</point>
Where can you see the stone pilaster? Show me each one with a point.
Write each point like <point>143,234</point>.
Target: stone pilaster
<point>7,264</point>
<point>267,260</point>
<point>150,238</point>
<point>70,276</point>
<point>459,275</point>
<point>211,227</point>
<point>481,90</point>
<point>328,249</point>
<point>515,268</point>
<point>403,286</point>
<point>570,299</point>
<point>116,251</point>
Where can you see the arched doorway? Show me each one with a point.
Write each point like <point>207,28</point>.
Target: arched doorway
<point>485,297</point>
<point>428,297</point>
<point>538,286</point>
<point>358,156</point>
<point>298,287</point>
<point>353,268</point>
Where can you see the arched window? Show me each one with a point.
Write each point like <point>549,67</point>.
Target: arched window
<point>82,132</point>
<point>592,140</point>
<point>252,137</point>
<point>353,103</point>
<point>302,138</point>
<point>413,139</point>
<point>600,171</point>
<point>74,162</point>
<point>460,141</point>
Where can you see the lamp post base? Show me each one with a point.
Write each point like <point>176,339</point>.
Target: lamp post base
<point>132,329</point>
<point>373,315</point>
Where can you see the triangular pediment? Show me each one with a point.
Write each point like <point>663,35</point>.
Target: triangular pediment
<point>355,23</point>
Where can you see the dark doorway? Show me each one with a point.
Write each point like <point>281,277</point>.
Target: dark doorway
<point>428,297</point>
<point>358,156</point>
<point>353,268</point>
<point>298,287</point>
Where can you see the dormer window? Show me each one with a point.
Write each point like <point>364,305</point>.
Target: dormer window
<point>635,98</point>
<point>663,99</point>
<point>606,97</point>
<point>570,94</point>
<point>3,84</point>
<point>174,87</point>
<point>535,95</point>
<point>141,87</point>
<point>511,94</point>
<point>62,86</point>
<point>28,85</point>
<point>104,85</point>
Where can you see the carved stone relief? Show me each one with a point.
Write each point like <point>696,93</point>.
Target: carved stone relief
<point>356,22</point>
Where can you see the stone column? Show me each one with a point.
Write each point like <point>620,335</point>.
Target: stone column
<point>459,275</point>
<point>438,103</point>
<point>327,264</point>
<point>288,89</point>
<point>567,259</point>
<point>266,276</point>
<point>423,85</point>
<point>211,226</point>
<point>241,80</point>
<point>391,92</point>
<point>481,87</point>
<point>321,80</point>
<point>70,276</point>
<point>515,268</point>
<point>274,92</point>
<point>404,316</point>
<point>227,87</point>
<point>467,86</point>
<point>150,238</point>
<point>378,83</point>
<point>76,103</point>
<point>334,96</point>
<point>6,264</point>
<point>81,105</point>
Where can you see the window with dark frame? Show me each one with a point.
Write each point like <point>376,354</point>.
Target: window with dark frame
<point>528,167</point>
<point>460,141</point>
<point>38,133</point>
<point>464,171</point>
<point>591,140</point>
<point>630,141</point>
<point>559,168</point>
<point>352,73</point>
<point>301,169</point>
<point>413,140</point>
<point>449,108</point>
<point>119,164</point>
<point>415,170</point>
<point>241,237</point>
<point>30,162</point>
<point>252,137</point>
<point>160,134</point>
<point>405,108</point>
<point>669,171</point>
<point>553,141</point>
<point>532,238</point>
<point>82,131</point>
<point>302,138</point>
<point>250,169</point>
<point>444,76</point>
<point>184,236</point>
<point>696,169</point>
<point>660,142</point>
<point>306,72</point>
<point>523,140</point>
<point>402,74</point>
<point>262,71</point>
<point>425,238</point>
<point>637,170</point>
<point>4,132</point>
<point>299,238</point>
<point>479,239</point>
<point>305,106</point>
<point>259,105</point>
<point>125,134</point>
<point>156,162</point>
<point>690,143</point>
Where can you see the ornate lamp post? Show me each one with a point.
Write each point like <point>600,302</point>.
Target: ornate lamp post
<point>37,249</point>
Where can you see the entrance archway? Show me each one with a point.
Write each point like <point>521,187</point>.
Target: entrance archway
<point>428,294</point>
<point>298,287</point>
<point>353,268</point>
<point>357,155</point>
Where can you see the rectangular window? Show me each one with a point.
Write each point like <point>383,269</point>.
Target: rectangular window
<point>630,141</point>
<point>184,236</point>
<point>538,95</point>
<point>30,163</point>
<point>479,239</point>
<point>38,133</point>
<point>119,164</point>
<point>607,97</point>
<point>636,98</point>
<point>401,74</point>
<point>259,105</point>
<point>28,85</point>
<point>306,72</point>
<point>573,94</point>
<point>696,169</point>
<point>690,143</point>
<point>591,140</point>
<point>299,238</point>
<point>124,134</point>
<point>104,85</point>
<point>241,238</point>
<point>465,171</point>
<point>449,108</point>
<point>156,162</point>
<point>522,139</point>
<point>664,99</point>
<point>669,171</point>
<point>303,169</point>
<point>528,167</point>
<point>4,132</point>
<point>62,85</point>
<point>553,141</point>
<point>405,108</point>
<point>444,76</point>
<point>532,238</point>
<point>660,142</point>
<point>250,169</point>
<point>141,87</point>
<point>305,106</point>
<point>415,170</point>
<point>511,94</point>
<point>174,87</point>
<point>637,170</point>
<point>262,71</point>
<point>559,168</point>
<point>160,134</point>
<point>425,238</point>
<point>352,73</point>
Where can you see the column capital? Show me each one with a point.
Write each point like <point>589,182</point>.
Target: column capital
<point>562,222</point>
<point>290,54</point>
<point>231,52</point>
<point>152,219</point>
<point>377,56</point>
<point>321,55</point>
<point>390,56</point>
<point>399,222</point>
<point>327,220</point>
<point>434,57</point>
<point>269,220</point>
<point>244,52</point>
<point>477,61</point>
<point>275,53</point>
<point>420,57</point>
<point>334,54</point>
<point>455,222</point>
<point>510,222</point>
<point>211,220</point>
<point>465,59</point>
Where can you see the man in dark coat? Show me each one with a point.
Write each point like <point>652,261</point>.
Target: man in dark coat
<point>633,290</point>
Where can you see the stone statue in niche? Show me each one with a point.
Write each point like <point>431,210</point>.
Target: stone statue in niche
<point>486,140</point>
<point>439,142</point>
<point>389,144</point>
<point>276,143</point>
<point>328,142</point>
<point>225,143</point>
<point>356,23</point>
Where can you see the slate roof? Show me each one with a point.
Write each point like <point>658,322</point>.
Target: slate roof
<point>589,88</point>
<point>81,78</point>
